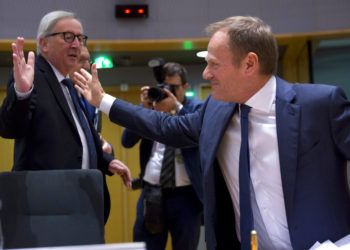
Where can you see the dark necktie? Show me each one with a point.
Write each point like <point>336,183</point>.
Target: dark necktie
<point>167,174</point>
<point>246,221</point>
<point>89,110</point>
<point>83,123</point>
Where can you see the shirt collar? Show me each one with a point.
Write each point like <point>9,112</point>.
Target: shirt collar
<point>58,75</point>
<point>265,97</point>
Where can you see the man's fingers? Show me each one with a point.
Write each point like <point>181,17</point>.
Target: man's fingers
<point>79,89</point>
<point>145,88</point>
<point>126,179</point>
<point>122,170</point>
<point>19,46</point>
<point>85,74</point>
<point>31,59</point>
<point>168,92</point>
<point>15,57</point>
<point>78,78</point>
<point>94,71</point>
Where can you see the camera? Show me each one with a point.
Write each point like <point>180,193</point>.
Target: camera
<point>157,93</point>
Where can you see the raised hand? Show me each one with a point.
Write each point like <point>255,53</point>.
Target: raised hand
<point>122,170</point>
<point>23,71</point>
<point>146,102</point>
<point>89,85</point>
<point>168,104</point>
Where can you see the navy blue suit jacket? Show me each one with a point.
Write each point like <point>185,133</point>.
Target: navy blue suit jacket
<point>190,155</point>
<point>313,129</point>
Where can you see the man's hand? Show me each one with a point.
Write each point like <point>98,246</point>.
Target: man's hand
<point>23,71</point>
<point>106,146</point>
<point>89,85</point>
<point>168,104</point>
<point>122,170</point>
<point>146,102</point>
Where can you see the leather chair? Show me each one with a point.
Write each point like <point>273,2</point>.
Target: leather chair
<point>51,208</point>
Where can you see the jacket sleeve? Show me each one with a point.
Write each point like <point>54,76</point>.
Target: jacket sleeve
<point>15,114</point>
<point>129,138</point>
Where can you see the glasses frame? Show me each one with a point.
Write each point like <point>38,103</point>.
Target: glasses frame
<point>176,87</point>
<point>67,37</point>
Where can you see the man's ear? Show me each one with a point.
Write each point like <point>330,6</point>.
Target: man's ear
<point>251,63</point>
<point>43,44</point>
<point>186,86</point>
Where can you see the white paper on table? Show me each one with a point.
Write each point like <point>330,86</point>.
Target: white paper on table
<point>343,244</point>
<point>315,246</point>
<point>327,245</point>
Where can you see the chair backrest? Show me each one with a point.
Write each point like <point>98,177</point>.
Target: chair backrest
<point>51,208</point>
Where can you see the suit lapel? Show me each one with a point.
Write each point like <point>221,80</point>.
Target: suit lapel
<point>216,120</point>
<point>287,122</point>
<point>55,86</point>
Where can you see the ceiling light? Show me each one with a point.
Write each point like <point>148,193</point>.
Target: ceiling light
<point>203,53</point>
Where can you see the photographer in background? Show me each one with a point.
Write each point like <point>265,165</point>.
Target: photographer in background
<point>171,178</point>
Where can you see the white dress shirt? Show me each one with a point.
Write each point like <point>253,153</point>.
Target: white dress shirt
<point>265,171</point>
<point>154,166</point>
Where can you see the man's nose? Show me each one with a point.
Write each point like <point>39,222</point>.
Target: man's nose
<point>76,42</point>
<point>206,74</point>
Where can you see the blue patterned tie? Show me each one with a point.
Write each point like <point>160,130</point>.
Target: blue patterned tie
<point>246,221</point>
<point>83,123</point>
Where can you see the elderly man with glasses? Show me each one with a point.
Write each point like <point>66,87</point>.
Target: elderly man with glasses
<point>41,111</point>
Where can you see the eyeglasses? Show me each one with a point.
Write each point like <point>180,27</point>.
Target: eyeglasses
<point>175,87</point>
<point>69,37</point>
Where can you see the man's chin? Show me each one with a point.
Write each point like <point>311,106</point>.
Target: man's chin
<point>220,97</point>
<point>217,96</point>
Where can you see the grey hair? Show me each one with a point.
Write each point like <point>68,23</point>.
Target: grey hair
<point>47,24</point>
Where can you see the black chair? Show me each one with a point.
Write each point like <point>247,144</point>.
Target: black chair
<point>51,208</point>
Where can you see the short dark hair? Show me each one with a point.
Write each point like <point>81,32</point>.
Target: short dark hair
<point>172,68</point>
<point>249,34</point>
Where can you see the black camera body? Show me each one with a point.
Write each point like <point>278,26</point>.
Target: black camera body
<point>157,93</point>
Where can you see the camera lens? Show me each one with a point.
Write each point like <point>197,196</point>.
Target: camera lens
<point>156,94</point>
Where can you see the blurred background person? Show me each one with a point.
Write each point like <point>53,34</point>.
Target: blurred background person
<point>164,207</point>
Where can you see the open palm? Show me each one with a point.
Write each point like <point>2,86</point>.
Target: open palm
<point>89,85</point>
<point>23,71</point>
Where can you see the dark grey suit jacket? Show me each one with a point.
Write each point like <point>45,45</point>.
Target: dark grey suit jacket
<point>313,129</point>
<point>43,128</point>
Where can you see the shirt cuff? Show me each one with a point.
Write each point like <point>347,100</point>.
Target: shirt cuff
<point>21,95</point>
<point>106,103</point>
<point>179,106</point>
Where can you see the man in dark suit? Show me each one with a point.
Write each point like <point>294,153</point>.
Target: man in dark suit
<point>181,203</point>
<point>298,143</point>
<point>39,110</point>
